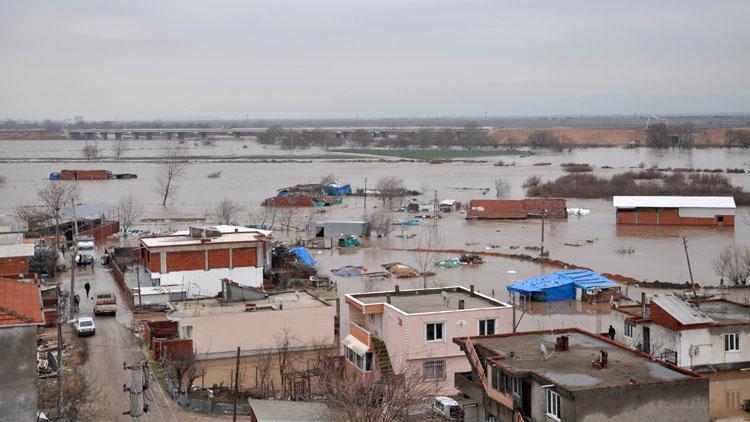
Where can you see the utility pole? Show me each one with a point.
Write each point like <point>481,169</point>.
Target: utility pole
<point>236,385</point>
<point>435,210</point>
<point>541,249</point>
<point>137,385</point>
<point>73,261</point>
<point>365,206</point>
<point>138,278</point>
<point>59,361</point>
<point>690,270</point>
<point>513,304</point>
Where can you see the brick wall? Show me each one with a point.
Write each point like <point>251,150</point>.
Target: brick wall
<point>186,261</point>
<point>169,348</point>
<point>244,257</point>
<point>104,231</point>
<point>152,261</point>
<point>158,329</point>
<point>661,317</point>
<point>668,217</point>
<point>14,265</point>
<point>218,258</point>
<point>83,174</point>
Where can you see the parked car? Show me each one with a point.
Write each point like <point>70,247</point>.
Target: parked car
<point>85,326</point>
<point>106,303</point>
<point>447,408</point>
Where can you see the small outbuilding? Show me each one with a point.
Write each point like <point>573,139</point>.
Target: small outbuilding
<point>675,210</point>
<point>516,209</point>
<point>562,285</point>
<point>339,228</point>
<point>449,205</point>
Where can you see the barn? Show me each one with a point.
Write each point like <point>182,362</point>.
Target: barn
<point>675,210</point>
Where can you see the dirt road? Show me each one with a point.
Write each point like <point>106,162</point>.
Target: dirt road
<point>112,345</point>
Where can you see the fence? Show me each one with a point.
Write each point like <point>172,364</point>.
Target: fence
<point>127,295</point>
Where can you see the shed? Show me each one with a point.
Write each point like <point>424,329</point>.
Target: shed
<point>516,208</point>
<point>449,205</point>
<point>545,288</point>
<point>339,228</point>
<point>304,255</point>
<point>675,210</point>
<point>561,285</point>
<point>338,189</point>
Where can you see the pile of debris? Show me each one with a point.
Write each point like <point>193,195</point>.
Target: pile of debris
<point>400,270</point>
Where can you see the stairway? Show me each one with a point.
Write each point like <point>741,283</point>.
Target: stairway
<point>381,354</point>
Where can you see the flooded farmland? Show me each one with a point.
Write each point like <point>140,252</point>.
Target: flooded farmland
<point>594,241</point>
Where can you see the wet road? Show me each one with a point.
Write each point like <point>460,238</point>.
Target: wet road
<point>112,345</point>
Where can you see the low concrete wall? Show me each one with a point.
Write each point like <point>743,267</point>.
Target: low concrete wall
<point>119,277</point>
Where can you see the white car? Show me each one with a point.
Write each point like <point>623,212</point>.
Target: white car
<point>85,326</point>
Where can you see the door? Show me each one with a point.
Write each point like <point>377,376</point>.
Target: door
<point>526,399</point>
<point>646,340</point>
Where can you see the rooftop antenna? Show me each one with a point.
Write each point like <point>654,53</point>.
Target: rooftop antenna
<point>695,294</point>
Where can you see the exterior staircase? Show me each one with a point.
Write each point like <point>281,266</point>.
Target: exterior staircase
<point>381,353</point>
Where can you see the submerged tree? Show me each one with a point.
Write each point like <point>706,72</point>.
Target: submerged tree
<point>226,211</point>
<point>172,170</point>
<point>55,196</point>
<point>128,212</point>
<point>733,263</point>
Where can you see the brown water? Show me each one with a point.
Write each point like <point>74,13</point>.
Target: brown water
<point>658,252</point>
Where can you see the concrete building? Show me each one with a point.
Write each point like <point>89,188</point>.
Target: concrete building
<point>449,205</point>
<point>199,258</point>
<point>14,258</point>
<point>516,209</point>
<point>20,315</point>
<point>259,328</point>
<point>409,331</point>
<point>573,375</point>
<point>339,228</point>
<point>675,210</point>
<point>715,336</point>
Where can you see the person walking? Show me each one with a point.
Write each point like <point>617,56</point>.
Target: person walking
<point>611,332</point>
<point>76,302</point>
<point>87,287</point>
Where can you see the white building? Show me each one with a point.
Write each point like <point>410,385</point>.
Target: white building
<point>714,336</point>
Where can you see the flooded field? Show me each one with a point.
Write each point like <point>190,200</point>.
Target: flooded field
<point>651,253</point>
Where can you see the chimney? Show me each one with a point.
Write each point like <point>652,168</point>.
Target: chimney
<point>388,298</point>
<point>603,358</point>
<point>472,289</point>
<point>397,288</point>
<point>562,344</point>
<point>461,304</point>
<point>643,305</point>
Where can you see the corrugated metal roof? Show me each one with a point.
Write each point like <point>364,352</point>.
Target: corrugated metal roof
<point>353,343</point>
<point>673,202</point>
<point>681,310</point>
<point>16,250</point>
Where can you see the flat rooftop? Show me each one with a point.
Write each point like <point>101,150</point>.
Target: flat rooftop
<point>573,370</point>
<point>430,300</point>
<point>186,240</point>
<point>211,306</point>
<point>724,312</point>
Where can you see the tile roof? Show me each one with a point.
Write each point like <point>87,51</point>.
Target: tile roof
<point>515,208</point>
<point>20,303</point>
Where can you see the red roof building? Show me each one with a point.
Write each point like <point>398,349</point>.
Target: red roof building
<point>516,209</point>
<point>20,303</point>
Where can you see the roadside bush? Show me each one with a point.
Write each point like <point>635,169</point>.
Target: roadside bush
<point>545,139</point>
<point>576,167</point>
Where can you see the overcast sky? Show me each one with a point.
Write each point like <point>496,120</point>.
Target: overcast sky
<point>383,58</point>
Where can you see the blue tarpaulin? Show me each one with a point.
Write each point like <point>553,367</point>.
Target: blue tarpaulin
<point>338,189</point>
<point>585,279</point>
<point>560,285</point>
<point>348,271</point>
<point>304,255</point>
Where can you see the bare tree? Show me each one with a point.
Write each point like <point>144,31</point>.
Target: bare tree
<point>119,147</point>
<point>381,222</point>
<point>55,196</point>
<point>361,138</point>
<point>389,188</point>
<point>129,210</point>
<point>331,178</point>
<point>35,217</point>
<point>81,401</point>
<point>263,216</point>
<point>90,152</point>
<point>389,398</point>
<point>502,187</point>
<point>425,252</point>
<point>733,263</point>
<point>172,170</point>
<point>182,368</point>
<point>226,211</point>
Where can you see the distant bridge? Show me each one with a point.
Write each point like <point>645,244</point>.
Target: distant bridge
<point>344,132</point>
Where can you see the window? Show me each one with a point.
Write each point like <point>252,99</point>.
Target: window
<point>628,330</point>
<point>517,386</point>
<point>508,384</point>
<point>364,363</point>
<point>553,405</point>
<point>497,375</point>
<point>732,342</point>
<point>434,370</point>
<point>434,331</point>
<point>487,327</point>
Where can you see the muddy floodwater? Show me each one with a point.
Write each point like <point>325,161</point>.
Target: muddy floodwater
<point>594,241</point>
